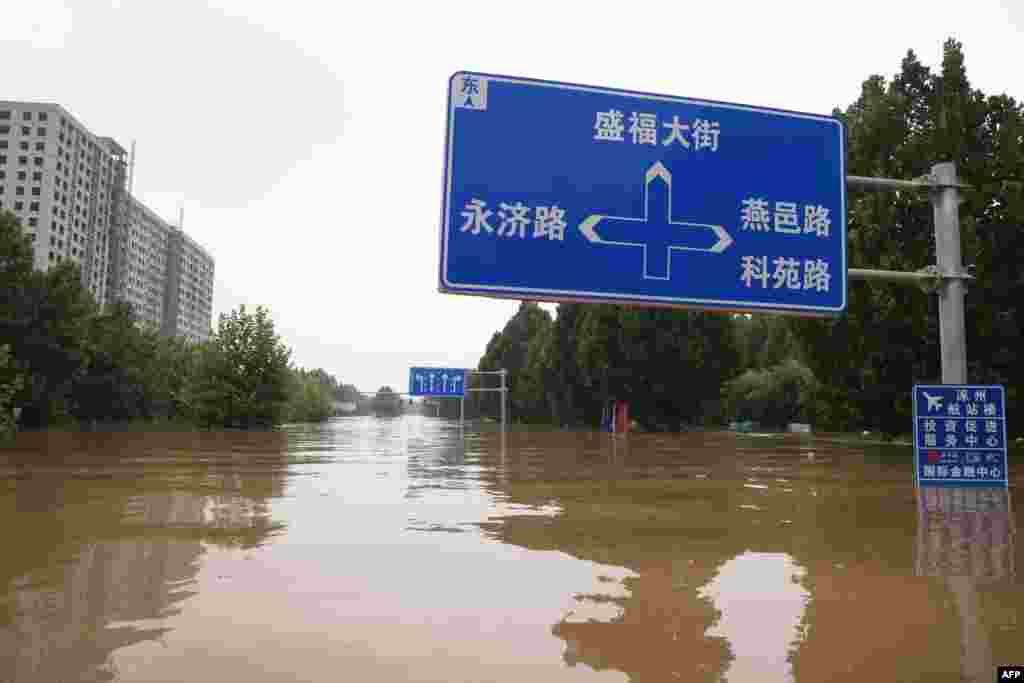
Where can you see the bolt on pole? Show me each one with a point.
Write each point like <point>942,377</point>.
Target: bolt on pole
<point>952,332</point>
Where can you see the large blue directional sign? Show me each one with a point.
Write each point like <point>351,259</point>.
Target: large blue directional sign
<point>960,434</point>
<point>437,381</point>
<point>563,192</point>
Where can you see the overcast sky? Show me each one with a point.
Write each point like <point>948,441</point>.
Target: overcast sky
<point>305,139</point>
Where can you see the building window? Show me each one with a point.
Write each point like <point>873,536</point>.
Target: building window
<point>5,130</point>
<point>23,160</point>
<point>41,132</point>
<point>3,144</point>
<point>19,190</point>
<point>42,116</point>
<point>33,221</point>
<point>26,130</point>
<point>3,158</point>
<point>18,206</point>
<point>22,175</point>
<point>27,116</point>
<point>37,176</point>
<point>23,145</point>
<point>39,161</point>
<point>34,206</point>
<point>36,191</point>
<point>40,146</point>
<point>5,115</point>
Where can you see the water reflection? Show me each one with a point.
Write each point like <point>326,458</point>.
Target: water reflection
<point>966,535</point>
<point>106,551</point>
<point>416,549</point>
<point>966,531</point>
<point>744,557</point>
<point>762,601</point>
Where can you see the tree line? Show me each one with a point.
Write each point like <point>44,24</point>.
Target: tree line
<point>854,371</point>
<point>63,359</point>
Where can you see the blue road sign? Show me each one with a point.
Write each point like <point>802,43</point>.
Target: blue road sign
<point>960,434</point>
<point>563,192</point>
<point>437,382</point>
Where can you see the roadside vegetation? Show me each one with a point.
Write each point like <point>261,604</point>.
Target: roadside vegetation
<point>65,362</point>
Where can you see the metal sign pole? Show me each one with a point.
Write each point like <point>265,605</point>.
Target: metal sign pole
<point>462,411</point>
<point>948,271</point>
<point>504,396</point>
<point>946,203</point>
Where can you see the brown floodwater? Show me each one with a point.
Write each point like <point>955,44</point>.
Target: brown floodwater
<point>410,549</point>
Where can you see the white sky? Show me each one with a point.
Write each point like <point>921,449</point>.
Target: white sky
<point>305,138</point>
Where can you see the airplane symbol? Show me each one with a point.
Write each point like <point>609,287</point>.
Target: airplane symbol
<point>934,402</point>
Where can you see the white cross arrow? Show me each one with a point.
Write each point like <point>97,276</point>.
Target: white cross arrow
<point>656,237</point>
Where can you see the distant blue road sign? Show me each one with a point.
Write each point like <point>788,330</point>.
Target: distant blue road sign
<point>960,434</point>
<point>437,382</point>
<point>571,193</point>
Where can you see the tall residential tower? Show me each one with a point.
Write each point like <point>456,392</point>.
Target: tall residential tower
<point>68,188</point>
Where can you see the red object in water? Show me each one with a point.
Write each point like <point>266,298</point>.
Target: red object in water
<point>621,417</point>
<point>933,456</point>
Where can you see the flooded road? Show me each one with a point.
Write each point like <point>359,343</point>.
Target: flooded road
<point>408,549</point>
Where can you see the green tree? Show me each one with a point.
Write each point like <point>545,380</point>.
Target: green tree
<point>668,364</point>
<point>387,402</point>
<point>311,395</point>
<point>112,384</point>
<point>47,330</point>
<point>242,373</point>
<point>510,349</point>
<point>11,382</point>
<point>773,396</point>
<point>868,359</point>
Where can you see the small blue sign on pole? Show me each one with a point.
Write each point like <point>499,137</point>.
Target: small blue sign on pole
<point>960,434</point>
<point>562,192</point>
<point>437,382</point>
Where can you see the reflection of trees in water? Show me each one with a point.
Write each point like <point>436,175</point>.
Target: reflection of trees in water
<point>966,536</point>
<point>675,511</point>
<point>113,527</point>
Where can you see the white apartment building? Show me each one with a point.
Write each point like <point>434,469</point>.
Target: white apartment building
<point>189,293</point>
<point>61,181</point>
<point>138,260</point>
<point>68,188</point>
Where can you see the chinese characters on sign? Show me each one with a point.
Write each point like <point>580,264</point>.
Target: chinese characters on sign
<point>787,273</point>
<point>756,217</point>
<point>651,199</point>
<point>960,433</point>
<point>644,130</point>
<point>514,220</point>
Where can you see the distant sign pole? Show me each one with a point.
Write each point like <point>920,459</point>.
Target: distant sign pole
<point>563,192</point>
<point>502,389</point>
